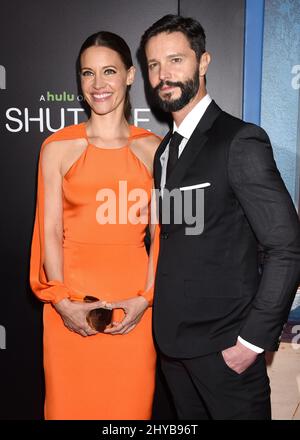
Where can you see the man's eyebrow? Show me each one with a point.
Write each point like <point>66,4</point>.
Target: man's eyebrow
<point>178,54</point>
<point>168,56</point>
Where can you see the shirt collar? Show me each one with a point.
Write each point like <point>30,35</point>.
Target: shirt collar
<point>192,119</point>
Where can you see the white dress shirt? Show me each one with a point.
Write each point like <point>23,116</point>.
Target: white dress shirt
<point>186,129</point>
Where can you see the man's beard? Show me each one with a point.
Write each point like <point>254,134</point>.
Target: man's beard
<point>188,90</point>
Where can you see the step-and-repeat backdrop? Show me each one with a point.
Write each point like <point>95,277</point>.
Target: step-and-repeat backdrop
<point>38,95</point>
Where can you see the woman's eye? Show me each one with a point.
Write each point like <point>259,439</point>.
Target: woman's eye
<point>86,73</point>
<point>109,71</point>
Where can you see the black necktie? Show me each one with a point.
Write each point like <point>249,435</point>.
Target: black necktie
<point>173,152</point>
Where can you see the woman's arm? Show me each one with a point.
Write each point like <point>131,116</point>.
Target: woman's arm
<point>53,211</point>
<point>47,248</point>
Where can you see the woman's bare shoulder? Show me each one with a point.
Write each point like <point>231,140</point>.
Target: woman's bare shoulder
<point>149,143</point>
<point>59,155</point>
<point>59,148</point>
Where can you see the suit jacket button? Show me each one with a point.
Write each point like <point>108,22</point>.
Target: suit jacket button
<point>164,235</point>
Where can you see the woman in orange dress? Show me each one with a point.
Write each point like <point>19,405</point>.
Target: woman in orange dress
<point>94,191</point>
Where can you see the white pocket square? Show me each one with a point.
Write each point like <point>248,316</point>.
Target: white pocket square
<point>199,185</point>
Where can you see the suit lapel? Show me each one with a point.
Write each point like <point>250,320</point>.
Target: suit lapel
<point>194,146</point>
<point>191,150</point>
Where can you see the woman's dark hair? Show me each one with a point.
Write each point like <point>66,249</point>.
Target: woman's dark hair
<point>116,43</point>
<point>191,28</point>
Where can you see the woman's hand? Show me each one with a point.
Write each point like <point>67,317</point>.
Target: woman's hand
<point>74,313</point>
<point>134,309</point>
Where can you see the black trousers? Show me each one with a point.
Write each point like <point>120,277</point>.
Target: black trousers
<point>205,388</point>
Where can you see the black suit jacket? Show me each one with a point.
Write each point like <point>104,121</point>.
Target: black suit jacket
<point>208,288</point>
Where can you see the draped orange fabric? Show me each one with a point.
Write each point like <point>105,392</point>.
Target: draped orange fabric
<point>85,376</point>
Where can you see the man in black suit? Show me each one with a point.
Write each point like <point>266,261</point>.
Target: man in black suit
<point>215,313</point>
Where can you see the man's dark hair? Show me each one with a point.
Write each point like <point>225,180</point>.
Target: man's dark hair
<point>191,28</point>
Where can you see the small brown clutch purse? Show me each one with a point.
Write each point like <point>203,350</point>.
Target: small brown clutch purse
<point>99,318</point>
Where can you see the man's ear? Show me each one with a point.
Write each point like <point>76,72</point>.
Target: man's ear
<point>204,62</point>
<point>131,75</point>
